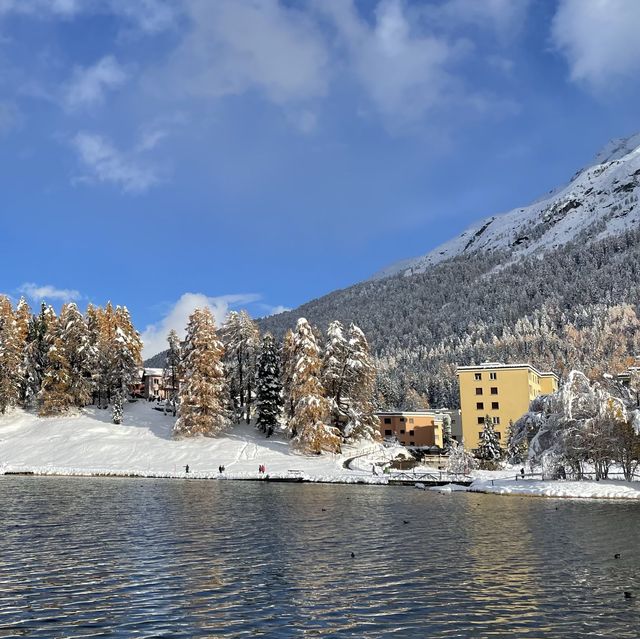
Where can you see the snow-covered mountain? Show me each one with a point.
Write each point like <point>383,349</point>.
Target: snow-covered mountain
<point>601,200</point>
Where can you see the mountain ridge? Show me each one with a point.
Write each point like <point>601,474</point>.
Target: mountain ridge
<point>604,191</point>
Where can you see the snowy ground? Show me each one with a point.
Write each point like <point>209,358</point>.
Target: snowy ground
<point>606,489</point>
<point>89,444</point>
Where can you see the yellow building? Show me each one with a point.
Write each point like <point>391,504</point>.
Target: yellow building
<point>501,391</point>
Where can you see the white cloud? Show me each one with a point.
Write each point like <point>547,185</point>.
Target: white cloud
<point>403,71</point>
<point>599,39</point>
<point>88,85</point>
<point>38,293</point>
<point>149,16</point>
<point>234,47</point>
<point>154,336</point>
<point>504,17</point>
<point>40,7</point>
<point>106,164</point>
<point>274,310</point>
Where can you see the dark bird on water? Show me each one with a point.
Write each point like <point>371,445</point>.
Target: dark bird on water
<point>324,510</point>
<point>628,594</point>
<point>404,521</point>
<point>353,555</point>
<point>617,556</point>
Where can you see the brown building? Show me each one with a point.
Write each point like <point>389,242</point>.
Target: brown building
<point>420,428</point>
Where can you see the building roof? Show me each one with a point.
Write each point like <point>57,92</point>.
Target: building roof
<point>489,366</point>
<point>153,372</point>
<point>435,414</point>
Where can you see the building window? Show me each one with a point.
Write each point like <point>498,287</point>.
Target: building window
<point>387,420</point>
<point>478,391</point>
<point>498,434</point>
<point>496,420</point>
<point>388,433</point>
<point>478,376</point>
<point>480,420</point>
<point>412,443</point>
<point>493,375</point>
<point>402,432</point>
<point>494,390</point>
<point>480,405</point>
<point>479,435</point>
<point>403,419</point>
<point>411,420</point>
<point>495,406</point>
<point>411,433</point>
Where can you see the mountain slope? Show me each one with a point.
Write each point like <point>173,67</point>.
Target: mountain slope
<point>605,194</point>
<point>488,295</point>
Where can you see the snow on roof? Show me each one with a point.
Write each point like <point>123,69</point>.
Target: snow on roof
<point>486,366</point>
<point>153,372</point>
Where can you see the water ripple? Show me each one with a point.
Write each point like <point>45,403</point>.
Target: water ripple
<point>124,558</point>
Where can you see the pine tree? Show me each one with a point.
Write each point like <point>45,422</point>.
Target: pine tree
<point>55,395</point>
<point>489,448</point>
<point>447,438</point>
<point>10,356</point>
<point>125,361</point>
<point>39,341</point>
<point>334,374</point>
<point>516,447</point>
<point>79,353</point>
<point>460,461</point>
<point>204,392</point>
<point>98,351</point>
<point>312,433</point>
<point>23,320</point>
<point>171,372</point>
<point>241,339</point>
<point>361,384</point>
<point>268,387</point>
<point>287,370</point>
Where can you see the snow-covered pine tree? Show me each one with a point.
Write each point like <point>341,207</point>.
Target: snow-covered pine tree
<point>516,447</point>
<point>287,366</point>
<point>447,438</point>
<point>334,374</point>
<point>126,359</point>
<point>241,339</point>
<point>171,372</point>
<point>10,356</point>
<point>489,450</point>
<point>23,320</point>
<point>361,385</point>
<point>203,395</point>
<point>39,341</point>
<point>312,433</point>
<point>268,387</point>
<point>55,394</point>
<point>460,461</point>
<point>79,353</point>
<point>99,353</point>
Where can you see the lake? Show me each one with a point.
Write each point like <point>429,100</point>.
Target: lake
<point>129,557</point>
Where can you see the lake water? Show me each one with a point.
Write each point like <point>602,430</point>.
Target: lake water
<point>143,558</point>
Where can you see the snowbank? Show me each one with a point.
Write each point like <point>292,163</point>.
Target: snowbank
<point>87,443</point>
<point>566,489</point>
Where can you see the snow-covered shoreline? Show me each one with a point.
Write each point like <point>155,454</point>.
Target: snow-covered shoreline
<point>87,444</point>
<point>559,489</point>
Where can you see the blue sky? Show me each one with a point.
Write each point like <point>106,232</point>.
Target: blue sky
<point>260,153</point>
